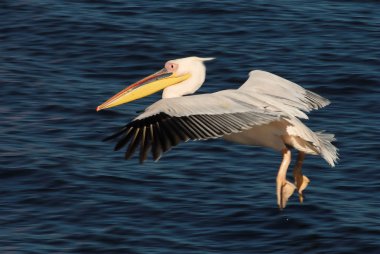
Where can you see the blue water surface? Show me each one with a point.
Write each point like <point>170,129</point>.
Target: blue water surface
<point>62,190</point>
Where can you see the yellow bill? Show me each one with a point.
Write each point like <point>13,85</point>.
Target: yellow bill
<point>147,86</point>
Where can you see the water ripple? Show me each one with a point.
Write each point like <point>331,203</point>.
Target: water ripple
<point>64,191</point>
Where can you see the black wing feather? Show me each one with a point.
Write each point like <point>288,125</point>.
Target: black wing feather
<point>156,144</point>
<point>133,144</point>
<point>160,132</point>
<point>125,137</point>
<point>144,143</point>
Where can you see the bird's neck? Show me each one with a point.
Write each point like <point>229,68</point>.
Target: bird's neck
<point>188,86</point>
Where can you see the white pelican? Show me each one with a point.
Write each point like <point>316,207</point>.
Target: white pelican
<point>264,111</point>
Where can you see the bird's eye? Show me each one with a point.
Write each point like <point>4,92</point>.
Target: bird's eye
<point>171,66</point>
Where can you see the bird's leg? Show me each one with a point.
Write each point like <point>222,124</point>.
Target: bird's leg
<point>284,188</point>
<point>300,180</point>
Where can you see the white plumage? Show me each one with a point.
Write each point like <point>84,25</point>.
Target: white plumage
<point>276,103</point>
<point>265,111</point>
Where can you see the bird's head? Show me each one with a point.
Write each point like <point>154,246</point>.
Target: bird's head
<point>178,77</point>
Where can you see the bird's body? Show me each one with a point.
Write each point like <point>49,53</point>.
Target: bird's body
<point>265,111</point>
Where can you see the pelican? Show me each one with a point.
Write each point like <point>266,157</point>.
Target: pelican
<point>264,111</point>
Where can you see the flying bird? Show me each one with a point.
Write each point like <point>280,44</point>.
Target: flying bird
<point>264,111</point>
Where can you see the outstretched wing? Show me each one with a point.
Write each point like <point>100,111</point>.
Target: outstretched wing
<point>263,98</point>
<point>280,92</point>
<point>169,121</point>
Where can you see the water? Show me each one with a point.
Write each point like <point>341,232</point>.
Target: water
<point>64,191</point>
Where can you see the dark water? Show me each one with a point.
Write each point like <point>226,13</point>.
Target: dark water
<point>64,191</point>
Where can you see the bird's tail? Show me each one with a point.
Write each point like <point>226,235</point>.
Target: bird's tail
<point>327,150</point>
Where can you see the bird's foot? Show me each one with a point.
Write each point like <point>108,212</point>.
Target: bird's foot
<point>284,190</point>
<point>301,182</point>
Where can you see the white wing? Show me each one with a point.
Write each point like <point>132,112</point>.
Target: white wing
<point>262,99</point>
<point>167,122</point>
<point>282,94</point>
